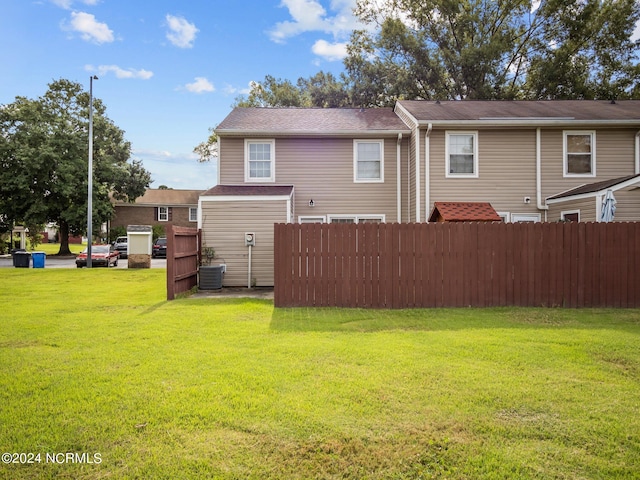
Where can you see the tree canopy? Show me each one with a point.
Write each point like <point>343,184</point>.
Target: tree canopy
<point>481,49</point>
<point>44,166</point>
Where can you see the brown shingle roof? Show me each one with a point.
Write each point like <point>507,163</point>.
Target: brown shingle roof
<point>249,190</point>
<point>594,187</point>
<point>464,212</point>
<point>166,197</point>
<point>312,121</point>
<point>544,110</point>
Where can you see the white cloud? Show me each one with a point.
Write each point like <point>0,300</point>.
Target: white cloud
<point>201,85</point>
<point>311,16</point>
<point>182,34</point>
<point>90,29</point>
<point>102,70</point>
<point>66,4</point>
<point>231,90</point>
<point>330,51</point>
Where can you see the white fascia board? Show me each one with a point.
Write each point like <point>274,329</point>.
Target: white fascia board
<point>312,133</point>
<point>235,198</point>
<point>400,107</point>
<point>529,122</point>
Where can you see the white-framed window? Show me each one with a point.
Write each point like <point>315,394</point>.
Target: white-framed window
<point>259,160</point>
<point>356,218</point>
<point>579,148</point>
<point>570,215</point>
<point>368,161</point>
<point>163,214</point>
<point>193,214</point>
<point>310,219</point>
<point>461,152</point>
<point>505,216</point>
<point>525,217</point>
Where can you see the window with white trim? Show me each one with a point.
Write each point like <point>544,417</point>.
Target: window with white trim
<point>355,218</point>
<point>260,160</point>
<point>579,153</point>
<point>525,217</point>
<point>570,216</point>
<point>320,219</point>
<point>504,216</point>
<point>163,214</point>
<point>368,161</point>
<point>193,214</point>
<point>461,152</point>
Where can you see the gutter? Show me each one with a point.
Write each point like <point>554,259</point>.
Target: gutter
<point>539,204</point>
<point>638,152</point>
<point>427,162</point>
<point>398,179</point>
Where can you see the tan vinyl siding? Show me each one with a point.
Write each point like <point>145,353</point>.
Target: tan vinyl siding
<point>506,166</point>
<point>628,206</point>
<point>322,169</point>
<point>614,158</point>
<point>224,226</point>
<point>586,206</point>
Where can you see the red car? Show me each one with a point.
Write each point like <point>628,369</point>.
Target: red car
<point>101,256</point>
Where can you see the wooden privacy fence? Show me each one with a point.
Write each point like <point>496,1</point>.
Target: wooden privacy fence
<point>183,258</point>
<point>457,265</point>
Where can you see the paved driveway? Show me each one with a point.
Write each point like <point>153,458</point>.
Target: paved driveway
<point>70,262</point>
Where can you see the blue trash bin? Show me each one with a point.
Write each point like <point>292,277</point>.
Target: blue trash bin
<point>38,259</point>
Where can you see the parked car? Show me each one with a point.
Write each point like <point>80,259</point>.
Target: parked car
<point>121,246</point>
<point>159,248</point>
<point>101,256</point>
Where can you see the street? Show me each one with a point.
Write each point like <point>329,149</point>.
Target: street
<point>52,261</point>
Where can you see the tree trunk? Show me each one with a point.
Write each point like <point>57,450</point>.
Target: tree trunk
<point>64,238</point>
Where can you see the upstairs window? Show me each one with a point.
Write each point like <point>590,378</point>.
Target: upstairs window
<point>163,214</point>
<point>462,154</point>
<point>368,161</point>
<point>579,154</point>
<point>259,161</point>
<point>193,214</point>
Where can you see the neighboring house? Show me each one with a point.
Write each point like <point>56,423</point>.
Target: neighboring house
<point>527,159</point>
<point>159,207</point>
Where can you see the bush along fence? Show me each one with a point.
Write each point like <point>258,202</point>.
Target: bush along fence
<point>183,258</point>
<point>457,265</point>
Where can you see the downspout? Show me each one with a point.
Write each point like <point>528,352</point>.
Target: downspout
<point>427,165</point>
<point>398,179</point>
<point>638,152</point>
<point>417,186</point>
<point>539,203</point>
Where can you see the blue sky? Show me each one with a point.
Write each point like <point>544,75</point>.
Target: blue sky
<point>168,70</point>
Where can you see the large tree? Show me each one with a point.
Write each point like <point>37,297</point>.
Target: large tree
<point>44,166</point>
<point>482,49</point>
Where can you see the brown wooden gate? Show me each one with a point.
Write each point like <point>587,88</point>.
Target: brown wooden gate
<point>183,258</point>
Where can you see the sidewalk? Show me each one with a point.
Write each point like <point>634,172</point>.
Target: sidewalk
<point>236,292</point>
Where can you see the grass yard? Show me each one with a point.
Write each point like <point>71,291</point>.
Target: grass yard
<point>95,363</point>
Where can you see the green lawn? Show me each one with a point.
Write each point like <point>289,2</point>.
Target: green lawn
<point>97,363</point>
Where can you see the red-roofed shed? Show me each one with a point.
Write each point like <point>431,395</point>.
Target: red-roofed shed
<point>464,212</point>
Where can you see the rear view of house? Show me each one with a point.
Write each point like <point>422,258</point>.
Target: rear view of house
<point>522,160</point>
